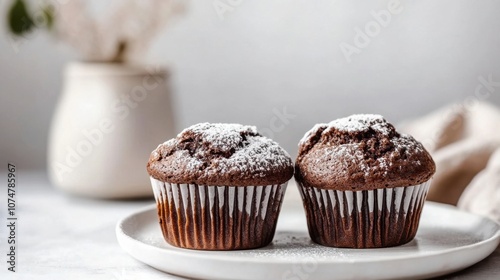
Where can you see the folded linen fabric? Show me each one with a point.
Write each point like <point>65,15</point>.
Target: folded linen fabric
<point>462,138</point>
<point>456,165</point>
<point>482,196</point>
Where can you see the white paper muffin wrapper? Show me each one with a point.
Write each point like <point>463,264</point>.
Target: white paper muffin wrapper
<point>363,219</point>
<point>218,217</point>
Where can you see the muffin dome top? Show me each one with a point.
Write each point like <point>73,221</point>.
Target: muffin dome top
<point>222,155</point>
<point>361,152</point>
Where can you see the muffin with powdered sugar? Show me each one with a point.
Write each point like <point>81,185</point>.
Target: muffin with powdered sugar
<point>363,184</point>
<point>219,187</point>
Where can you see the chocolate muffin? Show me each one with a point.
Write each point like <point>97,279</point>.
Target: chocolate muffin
<point>219,187</point>
<point>363,184</point>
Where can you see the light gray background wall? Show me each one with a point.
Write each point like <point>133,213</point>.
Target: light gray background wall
<point>268,55</point>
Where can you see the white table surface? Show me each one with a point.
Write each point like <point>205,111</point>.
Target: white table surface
<point>62,236</point>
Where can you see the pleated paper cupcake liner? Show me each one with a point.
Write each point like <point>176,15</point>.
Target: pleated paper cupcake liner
<point>363,219</point>
<point>218,217</point>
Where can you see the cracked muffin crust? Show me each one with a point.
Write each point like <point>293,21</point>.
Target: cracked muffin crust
<point>221,154</point>
<point>361,152</point>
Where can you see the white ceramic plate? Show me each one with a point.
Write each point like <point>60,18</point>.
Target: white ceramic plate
<point>448,240</point>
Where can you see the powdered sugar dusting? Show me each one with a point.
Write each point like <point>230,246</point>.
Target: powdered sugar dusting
<point>361,122</point>
<point>358,145</point>
<point>260,154</point>
<point>339,158</point>
<point>214,149</point>
<point>407,144</point>
<point>312,132</point>
<point>223,137</point>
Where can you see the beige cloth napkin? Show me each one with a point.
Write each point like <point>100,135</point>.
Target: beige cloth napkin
<point>482,196</point>
<point>462,139</point>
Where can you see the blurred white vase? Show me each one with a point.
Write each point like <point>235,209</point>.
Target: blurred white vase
<point>108,120</point>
